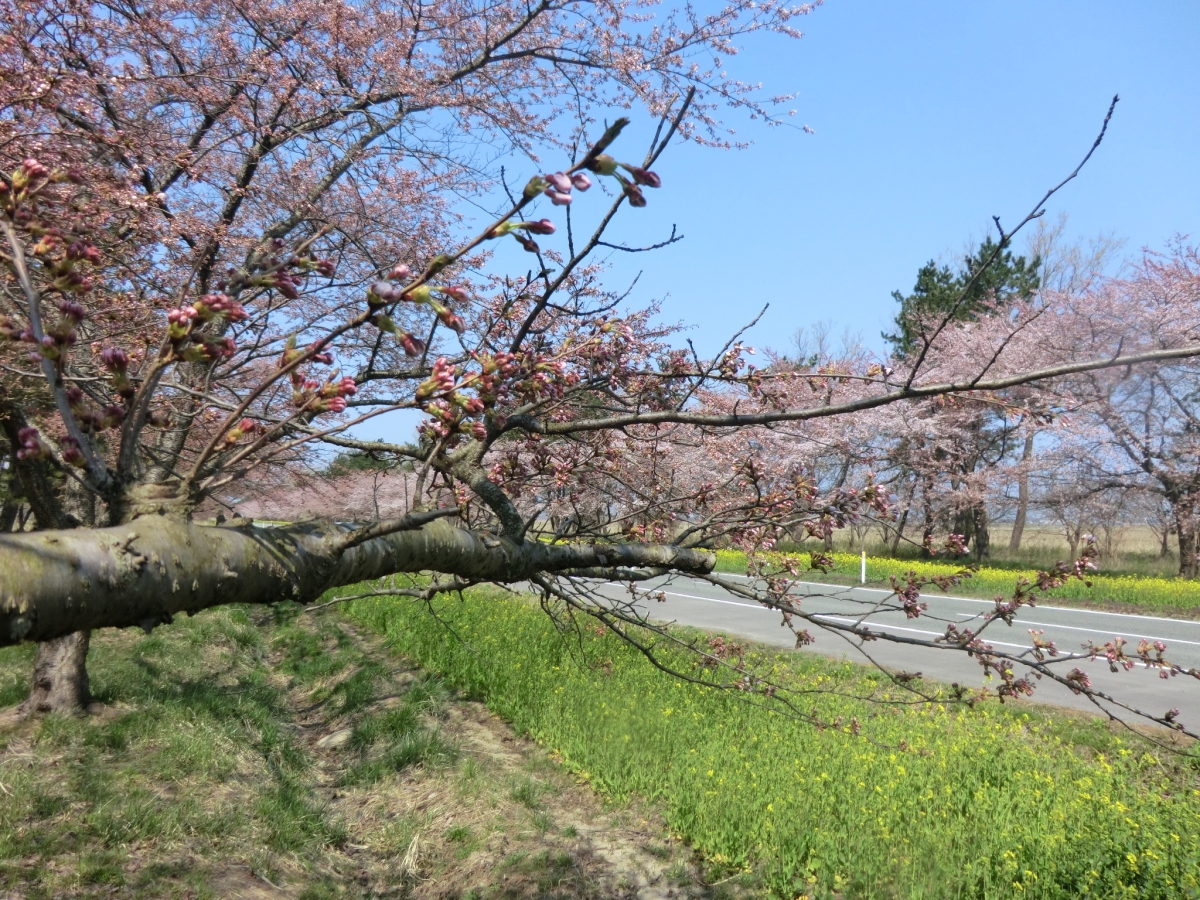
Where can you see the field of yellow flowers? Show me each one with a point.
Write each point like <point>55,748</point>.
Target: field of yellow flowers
<point>990,802</point>
<point>988,582</point>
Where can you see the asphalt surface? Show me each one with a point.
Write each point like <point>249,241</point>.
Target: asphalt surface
<point>700,604</point>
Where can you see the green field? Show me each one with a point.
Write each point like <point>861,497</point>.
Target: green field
<point>992,802</point>
<point>1150,592</point>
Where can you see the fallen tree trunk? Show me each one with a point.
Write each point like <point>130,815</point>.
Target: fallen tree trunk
<point>53,583</point>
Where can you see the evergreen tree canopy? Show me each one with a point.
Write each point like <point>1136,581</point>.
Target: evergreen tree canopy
<point>973,290</point>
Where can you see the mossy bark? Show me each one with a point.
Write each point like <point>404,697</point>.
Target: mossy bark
<point>144,573</point>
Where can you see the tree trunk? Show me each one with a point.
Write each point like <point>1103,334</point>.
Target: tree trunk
<point>60,678</point>
<point>1018,529</point>
<point>983,537</point>
<point>929,526</point>
<point>1188,564</point>
<point>8,515</point>
<point>898,536</point>
<point>1074,535</point>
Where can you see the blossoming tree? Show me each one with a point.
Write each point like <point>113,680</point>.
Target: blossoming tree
<point>228,238</point>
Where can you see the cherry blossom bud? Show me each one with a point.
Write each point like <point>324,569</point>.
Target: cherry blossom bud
<point>400,272</point>
<point>336,404</point>
<point>385,291</point>
<point>643,176</point>
<point>451,321</point>
<point>114,359</point>
<point>581,182</point>
<point>32,446</point>
<point>84,252</point>
<point>346,387</point>
<point>71,454</point>
<point>72,310</point>
<point>31,170</point>
<point>456,292</point>
<point>325,267</point>
<point>412,346</point>
<point>159,418</point>
<point>536,185</point>
<point>541,226</point>
<point>558,198</point>
<point>286,285</point>
<point>112,416</point>
<point>559,182</point>
<point>634,193</point>
<point>74,396</point>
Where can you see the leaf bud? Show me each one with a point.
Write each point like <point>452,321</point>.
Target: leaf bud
<point>603,164</point>
<point>419,294</point>
<point>537,184</point>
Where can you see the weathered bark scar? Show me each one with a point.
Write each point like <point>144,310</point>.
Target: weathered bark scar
<point>146,572</point>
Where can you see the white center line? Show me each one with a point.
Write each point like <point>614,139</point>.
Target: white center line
<point>1093,630</point>
<point>1067,609</point>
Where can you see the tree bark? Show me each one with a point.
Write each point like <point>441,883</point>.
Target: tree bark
<point>146,572</point>
<point>983,537</point>
<point>1018,529</point>
<point>60,678</point>
<point>1185,527</point>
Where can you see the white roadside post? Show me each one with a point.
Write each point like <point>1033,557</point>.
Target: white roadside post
<point>864,567</point>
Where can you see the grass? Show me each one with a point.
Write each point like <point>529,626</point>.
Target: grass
<point>245,748</point>
<point>993,802</point>
<point>1124,549</point>
<point>1151,593</point>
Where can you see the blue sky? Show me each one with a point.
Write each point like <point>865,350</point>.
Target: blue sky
<point>929,118</point>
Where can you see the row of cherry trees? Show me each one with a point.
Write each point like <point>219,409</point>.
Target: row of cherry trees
<point>1083,454</point>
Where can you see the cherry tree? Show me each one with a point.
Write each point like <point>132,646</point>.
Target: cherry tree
<point>228,239</point>
<point>1140,422</point>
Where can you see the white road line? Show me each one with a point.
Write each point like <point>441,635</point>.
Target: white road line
<point>1067,609</point>
<point>829,616</point>
<point>834,618</point>
<point>1094,630</point>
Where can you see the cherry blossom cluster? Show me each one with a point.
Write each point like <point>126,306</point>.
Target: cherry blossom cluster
<point>313,396</point>
<point>557,186</point>
<point>384,294</point>
<point>188,340</point>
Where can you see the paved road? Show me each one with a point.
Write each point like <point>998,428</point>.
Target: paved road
<point>700,604</point>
